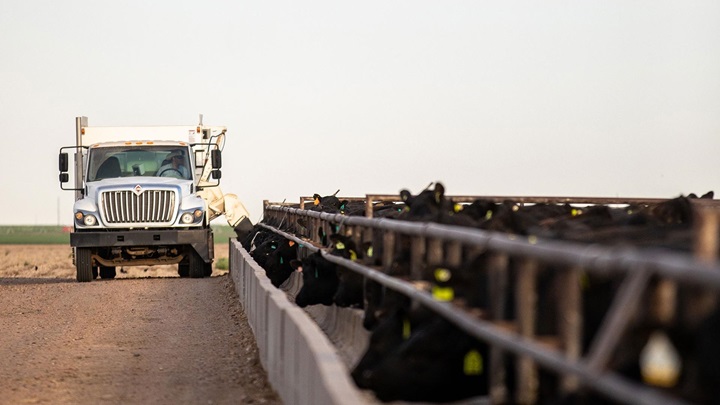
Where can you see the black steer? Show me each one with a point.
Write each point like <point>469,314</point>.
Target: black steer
<point>320,280</point>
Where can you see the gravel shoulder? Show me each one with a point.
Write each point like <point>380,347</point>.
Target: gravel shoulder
<point>129,340</point>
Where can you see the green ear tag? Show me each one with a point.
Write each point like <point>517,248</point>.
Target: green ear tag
<point>353,255</point>
<point>370,252</point>
<point>281,260</point>
<point>473,363</point>
<point>488,214</point>
<point>339,246</point>
<point>406,329</point>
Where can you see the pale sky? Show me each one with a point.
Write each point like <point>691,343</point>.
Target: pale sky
<point>572,98</point>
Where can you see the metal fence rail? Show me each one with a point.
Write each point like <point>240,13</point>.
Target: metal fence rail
<point>432,242</point>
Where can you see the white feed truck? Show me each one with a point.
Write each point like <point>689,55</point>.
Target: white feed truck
<point>146,196</point>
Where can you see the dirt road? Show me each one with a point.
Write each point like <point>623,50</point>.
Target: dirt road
<point>127,341</point>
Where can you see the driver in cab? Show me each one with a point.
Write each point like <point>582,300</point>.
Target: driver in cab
<point>174,166</point>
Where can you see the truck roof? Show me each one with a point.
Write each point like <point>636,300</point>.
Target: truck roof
<point>138,143</point>
<point>178,133</point>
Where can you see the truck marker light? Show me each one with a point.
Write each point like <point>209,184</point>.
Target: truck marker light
<point>197,213</point>
<point>78,216</point>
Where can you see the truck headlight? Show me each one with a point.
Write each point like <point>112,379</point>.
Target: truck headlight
<point>90,220</point>
<point>187,218</point>
<point>191,217</point>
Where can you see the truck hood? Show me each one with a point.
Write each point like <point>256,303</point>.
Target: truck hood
<point>129,183</point>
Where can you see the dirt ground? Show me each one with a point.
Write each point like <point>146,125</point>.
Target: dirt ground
<point>146,337</point>
<point>55,261</point>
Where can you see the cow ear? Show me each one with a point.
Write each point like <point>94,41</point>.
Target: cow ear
<point>439,192</point>
<point>405,195</point>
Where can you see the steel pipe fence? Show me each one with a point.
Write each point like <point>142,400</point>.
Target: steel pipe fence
<point>431,243</point>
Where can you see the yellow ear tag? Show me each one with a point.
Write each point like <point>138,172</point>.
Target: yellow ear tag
<point>353,255</point>
<point>316,201</point>
<point>442,275</point>
<point>515,208</point>
<point>443,294</point>
<point>406,329</point>
<point>473,363</point>
<point>370,251</point>
<point>339,246</point>
<point>457,207</point>
<point>488,214</point>
<point>291,243</point>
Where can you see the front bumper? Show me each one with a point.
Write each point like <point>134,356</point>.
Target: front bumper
<point>200,239</point>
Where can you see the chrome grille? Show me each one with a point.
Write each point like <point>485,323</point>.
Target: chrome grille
<point>126,207</point>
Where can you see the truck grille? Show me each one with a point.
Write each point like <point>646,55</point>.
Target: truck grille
<point>126,207</point>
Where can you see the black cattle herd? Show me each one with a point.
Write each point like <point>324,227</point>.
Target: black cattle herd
<point>416,355</point>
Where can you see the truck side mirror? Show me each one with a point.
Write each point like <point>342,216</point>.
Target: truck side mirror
<point>63,163</point>
<point>216,158</point>
<point>63,177</point>
<point>216,174</point>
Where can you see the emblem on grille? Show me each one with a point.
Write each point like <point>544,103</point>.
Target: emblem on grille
<point>138,190</point>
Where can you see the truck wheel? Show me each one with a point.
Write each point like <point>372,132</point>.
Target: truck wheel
<point>197,265</point>
<point>183,269</point>
<point>107,272</point>
<point>83,264</point>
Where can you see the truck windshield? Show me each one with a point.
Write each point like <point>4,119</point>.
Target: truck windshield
<point>147,161</point>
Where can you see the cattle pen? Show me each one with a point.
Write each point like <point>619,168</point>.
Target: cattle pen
<point>651,285</point>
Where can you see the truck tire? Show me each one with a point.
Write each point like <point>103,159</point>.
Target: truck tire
<point>183,269</point>
<point>83,264</point>
<point>107,272</point>
<point>197,265</point>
